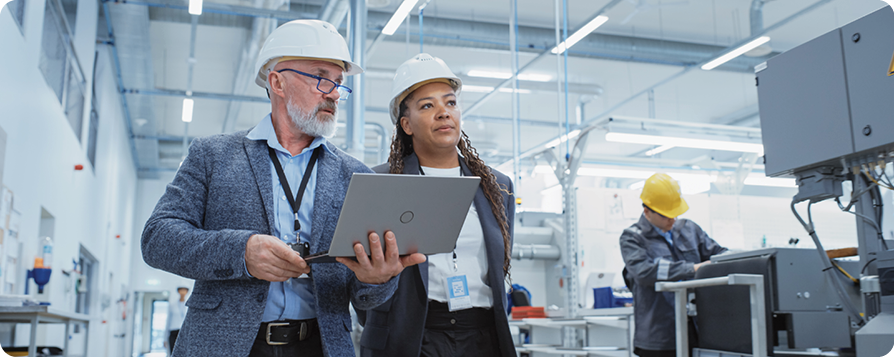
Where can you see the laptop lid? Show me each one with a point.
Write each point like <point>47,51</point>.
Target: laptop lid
<point>426,213</point>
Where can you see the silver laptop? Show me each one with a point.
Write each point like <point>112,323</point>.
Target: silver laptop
<point>426,213</point>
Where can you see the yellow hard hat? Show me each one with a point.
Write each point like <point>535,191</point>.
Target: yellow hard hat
<point>661,193</point>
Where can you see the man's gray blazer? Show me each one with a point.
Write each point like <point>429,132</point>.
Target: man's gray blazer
<point>222,194</point>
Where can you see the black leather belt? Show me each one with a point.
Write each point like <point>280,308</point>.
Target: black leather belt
<point>286,331</point>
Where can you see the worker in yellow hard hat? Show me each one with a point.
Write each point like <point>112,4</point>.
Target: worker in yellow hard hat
<point>661,247</point>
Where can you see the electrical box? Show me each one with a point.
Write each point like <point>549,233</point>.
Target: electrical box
<point>827,102</point>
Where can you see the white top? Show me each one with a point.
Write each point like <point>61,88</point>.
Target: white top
<point>471,257</point>
<point>176,314</point>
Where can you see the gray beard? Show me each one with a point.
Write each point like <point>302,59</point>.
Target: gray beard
<point>308,122</point>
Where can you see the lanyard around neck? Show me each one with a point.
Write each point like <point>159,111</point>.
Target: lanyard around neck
<point>295,202</point>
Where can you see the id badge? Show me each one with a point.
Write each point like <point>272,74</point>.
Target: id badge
<point>458,290</point>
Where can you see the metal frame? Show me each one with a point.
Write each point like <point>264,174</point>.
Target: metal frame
<point>758,309</point>
<point>36,315</point>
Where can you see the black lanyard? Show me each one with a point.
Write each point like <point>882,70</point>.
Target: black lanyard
<point>295,202</point>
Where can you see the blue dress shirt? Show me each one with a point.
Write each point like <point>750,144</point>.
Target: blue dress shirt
<point>668,236</point>
<point>292,299</point>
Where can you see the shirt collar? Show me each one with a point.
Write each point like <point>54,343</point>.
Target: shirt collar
<point>264,131</point>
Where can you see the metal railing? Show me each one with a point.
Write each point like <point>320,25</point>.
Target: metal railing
<point>758,309</point>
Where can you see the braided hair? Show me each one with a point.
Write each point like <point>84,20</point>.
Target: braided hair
<point>402,146</point>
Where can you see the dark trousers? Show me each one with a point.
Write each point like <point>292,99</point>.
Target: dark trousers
<point>311,346</point>
<point>172,337</point>
<point>693,343</point>
<point>466,333</point>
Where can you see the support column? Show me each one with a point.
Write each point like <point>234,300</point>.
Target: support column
<point>354,139</point>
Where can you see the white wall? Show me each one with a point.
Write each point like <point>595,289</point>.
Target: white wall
<point>91,207</point>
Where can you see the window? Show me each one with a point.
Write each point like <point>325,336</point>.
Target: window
<point>87,265</point>
<point>70,9</point>
<point>74,100</point>
<point>60,67</point>
<point>17,8</point>
<point>93,123</point>
<point>91,137</point>
<point>53,57</point>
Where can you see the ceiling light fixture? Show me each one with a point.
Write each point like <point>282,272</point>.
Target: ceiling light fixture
<point>580,34</point>
<point>195,7</point>
<point>399,15</point>
<point>571,135</point>
<point>684,142</point>
<point>187,110</point>
<point>3,3</point>
<point>659,150</point>
<point>506,75</point>
<point>735,53</point>
<point>486,89</point>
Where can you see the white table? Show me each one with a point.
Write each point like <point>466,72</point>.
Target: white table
<point>44,314</point>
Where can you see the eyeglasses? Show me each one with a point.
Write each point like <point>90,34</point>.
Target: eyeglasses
<point>324,85</point>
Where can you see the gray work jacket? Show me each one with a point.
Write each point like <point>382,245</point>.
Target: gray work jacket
<point>649,258</point>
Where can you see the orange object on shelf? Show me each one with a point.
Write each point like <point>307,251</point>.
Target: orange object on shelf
<point>527,312</point>
<point>38,262</point>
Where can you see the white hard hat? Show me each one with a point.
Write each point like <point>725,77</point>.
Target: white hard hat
<point>304,39</point>
<point>416,72</point>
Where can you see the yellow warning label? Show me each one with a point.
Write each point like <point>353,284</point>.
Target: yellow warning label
<point>891,69</point>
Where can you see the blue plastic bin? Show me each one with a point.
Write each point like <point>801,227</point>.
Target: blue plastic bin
<point>604,298</point>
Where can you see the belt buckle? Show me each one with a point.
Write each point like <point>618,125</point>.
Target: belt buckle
<point>302,334</point>
<point>275,324</point>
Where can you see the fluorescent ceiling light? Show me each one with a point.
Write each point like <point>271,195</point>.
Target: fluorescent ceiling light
<point>659,150</point>
<point>736,53</point>
<point>187,110</point>
<point>756,179</point>
<point>684,142</point>
<point>690,183</point>
<point>571,135</point>
<point>486,89</point>
<point>398,17</point>
<point>506,75</point>
<point>580,34</point>
<point>195,7</point>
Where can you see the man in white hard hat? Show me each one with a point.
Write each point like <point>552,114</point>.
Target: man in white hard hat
<point>661,247</point>
<point>245,207</point>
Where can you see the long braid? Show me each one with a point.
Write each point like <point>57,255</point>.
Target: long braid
<point>402,146</point>
<point>492,190</point>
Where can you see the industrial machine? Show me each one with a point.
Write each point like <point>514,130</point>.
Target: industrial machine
<point>827,117</point>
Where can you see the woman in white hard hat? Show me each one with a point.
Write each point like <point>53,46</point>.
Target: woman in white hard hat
<point>422,319</point>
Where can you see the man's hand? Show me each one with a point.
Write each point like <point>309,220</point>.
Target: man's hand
<point>268,258</point>
<point>381,267</point>
<point>696,266</point>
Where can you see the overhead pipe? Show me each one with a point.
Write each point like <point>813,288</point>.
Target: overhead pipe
<point>516,128</point>
<point>757,16</point>
<point>488,96</point>
<point>245,72</point>
<point>535,251</point>
<point>128,124</point>
<point>590,122</point>
<point>557,30</point>
<point>384,150</point>
<point>452,32</point>
<point>244,98</point>
<point>357,108</point>
<point>191,63</point>
<point>335,11</point>
<point>565,77</point>
<point>234,10</point>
